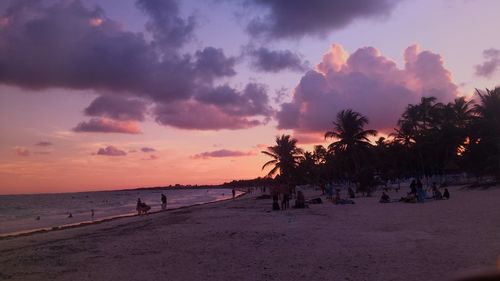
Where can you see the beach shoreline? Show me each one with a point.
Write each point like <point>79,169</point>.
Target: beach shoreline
<point>100,220</point>
<point>243,239</point>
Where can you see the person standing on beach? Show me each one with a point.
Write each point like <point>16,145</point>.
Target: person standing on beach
<point>234,193</point>
<point>413,187</point>
<point>92,213</point>
<point>285,202</point>
<point>163,202</point>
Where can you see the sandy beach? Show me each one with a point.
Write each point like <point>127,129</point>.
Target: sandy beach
<point>243,240</point>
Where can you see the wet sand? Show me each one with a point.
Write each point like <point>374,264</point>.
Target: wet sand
<point>243,240</point>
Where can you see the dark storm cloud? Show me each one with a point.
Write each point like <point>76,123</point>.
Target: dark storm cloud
<point>65,44</point>
<point>296,18</point>
<point>117,108</point>
<point>264,59</point>
<point>491,63</point>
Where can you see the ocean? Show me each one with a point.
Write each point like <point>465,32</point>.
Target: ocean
<point>25,213</point>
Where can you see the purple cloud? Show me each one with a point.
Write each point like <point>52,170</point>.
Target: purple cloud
<point>148,149</point>
<point>221,153</point>
<point>221,108</point>
<point>169,30</point>
<point>87,50</point>
<point>111,151</point>
<point>264,59</point>
<point>491,63</point>
<point>296,18</point>
<point>103,125</point>
<point>367,82</point>
<point>117,108</point>
<point>43,143</point>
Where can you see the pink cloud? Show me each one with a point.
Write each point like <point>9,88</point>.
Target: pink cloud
<point>103,125</point>
<point>221,153</point>
<point>194,115</point>
<point>148,149</point>
<point>151,157</point>
<point>44,143</point>
<point>22,151</point>
<point>365,81</point>
<point>111,151</point>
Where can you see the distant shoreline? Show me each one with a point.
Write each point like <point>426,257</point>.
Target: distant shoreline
<point>15,234</point>
<point>135,188</point>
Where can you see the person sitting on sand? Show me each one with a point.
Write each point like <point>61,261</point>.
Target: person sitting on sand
<point>436,194</point>
<point>385,198</point>
<point>410,198</point>
<point>446,194</point>
<point>300,202</point>
<point>341,201</point>
<point>351,193</point>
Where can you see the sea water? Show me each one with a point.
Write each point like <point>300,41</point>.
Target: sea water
<point>23,213</point>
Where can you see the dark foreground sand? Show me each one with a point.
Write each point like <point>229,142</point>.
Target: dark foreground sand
<point>243,240</point>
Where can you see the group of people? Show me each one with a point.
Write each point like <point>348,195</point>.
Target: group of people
<point>143,208</point>
<point>300,200</point>
<point>418,194</point>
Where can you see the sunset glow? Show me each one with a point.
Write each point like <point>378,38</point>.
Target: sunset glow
<point>120,94</point>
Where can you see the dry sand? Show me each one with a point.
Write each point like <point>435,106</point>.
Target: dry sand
<point>243,240</point>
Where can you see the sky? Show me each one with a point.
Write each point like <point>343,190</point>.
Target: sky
<point>98,95</point>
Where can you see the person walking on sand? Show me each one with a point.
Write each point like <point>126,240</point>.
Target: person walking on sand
<point>163,202</point>
<point>234,193</point>
<point>92,213</point>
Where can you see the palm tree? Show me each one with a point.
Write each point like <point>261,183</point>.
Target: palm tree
<point>286,156</point>
<point>351,139</point>
<point>488,112</point>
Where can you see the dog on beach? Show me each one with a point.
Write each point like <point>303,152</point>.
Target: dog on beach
<point>142,209</point>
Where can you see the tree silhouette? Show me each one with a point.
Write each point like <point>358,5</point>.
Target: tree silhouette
<point>286,156</point>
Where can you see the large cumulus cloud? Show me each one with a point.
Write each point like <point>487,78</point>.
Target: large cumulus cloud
<point>65,44</point>
<point>365,81</point>
<point>296,18</point>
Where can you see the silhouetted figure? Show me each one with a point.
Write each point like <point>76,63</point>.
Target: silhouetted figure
<point>70,215</point>
<point>436,194</point>
<point>385,198</point>
<point>37,218</point>
<point>285,202</point>
<point>234,192</point>
<point>351,193</point>
<point>142,208</point>
<point>276,205</point>
<point>420,192</point>
<point>300,202</point>
<point>92,213</point>
<point>413,187</point>
<point>446,194</point>
<point>163,202</point>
